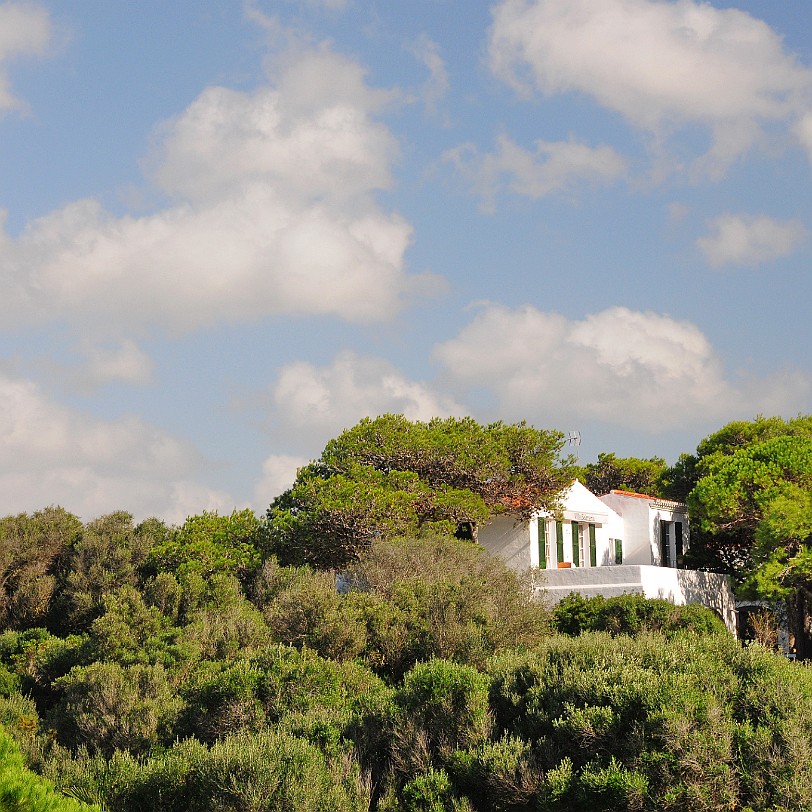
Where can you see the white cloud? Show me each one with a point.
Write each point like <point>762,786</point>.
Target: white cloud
<point>662,65</point>
<point>750,240</point>
<point>125,362</point>
<point>428,53</point>
<point>273,213</point>
<point>309,404</point>
<point>803,132</point>
<point>278,474</point>
<point>25,30</point>
<point>313,403</point>
<point>50,454</point>
<point>553,167</point>
<point>625,368</point>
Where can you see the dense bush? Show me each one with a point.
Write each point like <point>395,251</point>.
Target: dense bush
<point>421,678</point>
<point>105,706</point>
<point>656,723</point>
<point>435,597</point>
<point>260,772</point>
<point>632,614</point>
<point>22,790</point>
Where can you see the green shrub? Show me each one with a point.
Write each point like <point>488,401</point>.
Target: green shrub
<point>248,772</point>
<point>308,611</point>
<point>221,698</point>
<point>443,707</point>
<point>106,706</point>
<point>690,722</point>
<point>502,775</point>
<point>440,597</point>
<point>22,790</point>
<point>431,791</point>
<point>632,614</point>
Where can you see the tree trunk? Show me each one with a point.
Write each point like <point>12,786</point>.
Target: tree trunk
<point>799,620</point>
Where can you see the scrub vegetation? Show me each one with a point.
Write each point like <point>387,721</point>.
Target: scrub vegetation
<point>216,666</point>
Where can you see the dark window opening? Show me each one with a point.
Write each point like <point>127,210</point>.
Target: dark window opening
<point>665,546</point>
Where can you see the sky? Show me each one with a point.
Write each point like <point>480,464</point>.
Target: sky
<point>230,230</point>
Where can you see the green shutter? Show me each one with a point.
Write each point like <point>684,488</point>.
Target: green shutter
<point>680,545</point>
<point>559,540</point>
<point>542,523</point>
<point>576,558</point>
<point>593,547</point>
<point>618,551</point>
<point>665,546</point>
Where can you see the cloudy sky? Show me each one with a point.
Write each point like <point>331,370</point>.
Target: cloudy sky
<point>232,229</point>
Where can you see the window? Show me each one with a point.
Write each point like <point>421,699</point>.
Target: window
<point>618,551</point>
<point>542,523</point>
<point>593,547</point>
<point>559,541</point>
<point>665,544</point>
<point>680,544</point>
<point>576,557</point>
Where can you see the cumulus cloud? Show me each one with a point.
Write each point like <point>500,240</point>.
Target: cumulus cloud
<point>308,401</point>
<point>272,212</point>
<point>25,30</point>
<point>750,240</point>
<point>662,65</point>
<point>309,404</point>
<point>50,454</point>
<point>626,368</point>
<point>278,474</point>
<point>553,167</point>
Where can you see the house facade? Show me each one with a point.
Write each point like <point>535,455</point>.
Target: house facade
<point>618,543</point>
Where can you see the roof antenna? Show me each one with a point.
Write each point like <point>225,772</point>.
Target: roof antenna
<point>574,439</point>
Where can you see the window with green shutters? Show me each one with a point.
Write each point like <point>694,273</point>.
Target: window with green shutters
<point>559,540</point>
<point>576,558</point>
<point>618,551</point>
<point>593,547</point>
<point>542,523</point>
<point>665,545</point>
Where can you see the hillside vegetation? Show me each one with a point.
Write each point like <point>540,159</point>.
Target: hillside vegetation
<point>215,666</point>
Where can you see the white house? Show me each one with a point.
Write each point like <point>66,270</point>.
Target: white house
<point>618,543</point>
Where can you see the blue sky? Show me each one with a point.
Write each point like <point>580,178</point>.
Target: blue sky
<point>234,229</point>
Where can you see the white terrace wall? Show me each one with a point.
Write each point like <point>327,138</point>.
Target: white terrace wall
<point>677,586</point>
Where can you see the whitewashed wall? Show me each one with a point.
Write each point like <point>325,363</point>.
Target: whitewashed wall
<point>677,586</point>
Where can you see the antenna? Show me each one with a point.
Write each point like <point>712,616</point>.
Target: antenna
<point>574,439</point>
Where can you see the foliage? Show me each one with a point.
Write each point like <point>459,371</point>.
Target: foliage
<point>724,546</point>
<point>22,790</point>
<point>431,791</point>
<point>647,723</point>
<point>105,706</point>
<point>755,499</point>
<point>447,704</point>
<point>515,466</point>
<point>32,550</point>
<point>107,556</point>
<point>625,474</point>
<point>391,477</point>
<point>208,544</point>
<point>303,608</point>
<point>632,614</point>
<point>423,598</point>
<point>263,772</point>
